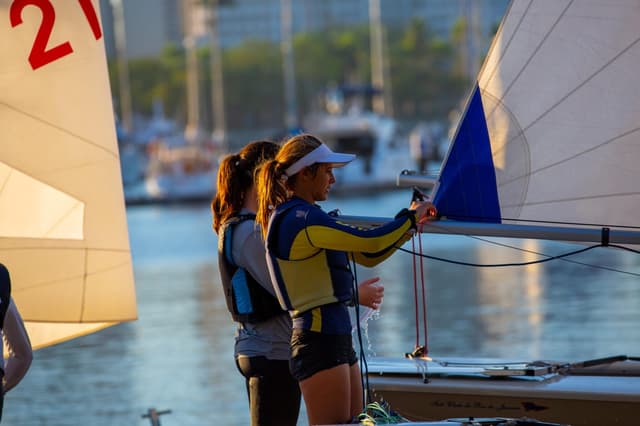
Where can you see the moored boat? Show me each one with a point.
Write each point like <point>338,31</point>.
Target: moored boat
<point>181,173</point>
<point>347,125</point>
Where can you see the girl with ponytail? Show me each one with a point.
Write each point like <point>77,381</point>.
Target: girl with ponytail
<point>308,255</point>
<point>264,328</point>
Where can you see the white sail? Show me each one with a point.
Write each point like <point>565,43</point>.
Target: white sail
<point>63,230</point>
<point>551,132</point>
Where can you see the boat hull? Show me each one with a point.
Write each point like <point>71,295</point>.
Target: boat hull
<point>431,392</point>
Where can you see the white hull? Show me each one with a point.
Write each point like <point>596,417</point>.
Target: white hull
<point>380,152</point>
<point>606,393</point>
<point>177,173</point>
<point>196,186</point>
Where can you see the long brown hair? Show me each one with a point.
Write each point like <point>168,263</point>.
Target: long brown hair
<point>272,181</point>
<point>236,174</point>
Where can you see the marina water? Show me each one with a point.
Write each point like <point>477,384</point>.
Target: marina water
<point>178,355</point>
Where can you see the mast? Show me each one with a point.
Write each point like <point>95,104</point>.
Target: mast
<point>288,65</point>
<point>192,130</point>
<point>126,114</point>
<point>219,127</point>
<point>379,66</point>
<point>471,14</point>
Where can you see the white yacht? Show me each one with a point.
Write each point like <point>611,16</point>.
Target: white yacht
<point>347,125</point>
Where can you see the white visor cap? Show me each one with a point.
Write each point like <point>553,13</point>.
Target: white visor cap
<point>321,154</point>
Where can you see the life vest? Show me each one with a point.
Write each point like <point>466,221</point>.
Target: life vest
<point>246,299</point>
<point>327,276</point>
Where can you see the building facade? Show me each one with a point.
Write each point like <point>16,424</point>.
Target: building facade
<point>149,25</point>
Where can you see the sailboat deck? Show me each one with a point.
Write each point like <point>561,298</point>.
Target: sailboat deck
<point>489,377</point>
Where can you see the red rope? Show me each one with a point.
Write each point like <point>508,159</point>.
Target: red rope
<point>424,294</point>
<point>415,289</point>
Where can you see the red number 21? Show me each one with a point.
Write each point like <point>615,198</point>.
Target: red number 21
<point>41,55</point>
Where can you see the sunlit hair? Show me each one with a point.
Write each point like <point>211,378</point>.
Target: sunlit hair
<point>272,181</point>
<point>236,175</point>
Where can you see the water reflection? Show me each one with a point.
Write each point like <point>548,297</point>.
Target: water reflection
<point>179,354</point>
<point>510,297</point>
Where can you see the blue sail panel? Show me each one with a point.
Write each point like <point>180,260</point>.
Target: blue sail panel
<point>468,189</point>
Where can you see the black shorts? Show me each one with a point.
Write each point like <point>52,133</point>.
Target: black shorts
<point>312,352</point>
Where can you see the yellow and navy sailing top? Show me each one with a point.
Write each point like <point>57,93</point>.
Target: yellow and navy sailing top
<point>308,257</point>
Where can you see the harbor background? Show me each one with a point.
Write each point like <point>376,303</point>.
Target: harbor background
<point>165,80</point>
<point>179,354</point>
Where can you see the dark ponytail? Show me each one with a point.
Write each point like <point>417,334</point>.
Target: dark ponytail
<point>235,178</point>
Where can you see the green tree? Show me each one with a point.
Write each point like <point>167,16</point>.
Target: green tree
<point>253,86</point>
<point>424,83</point>
<point>330,57</point>
<point>424,87</point>
<point>155,79</point>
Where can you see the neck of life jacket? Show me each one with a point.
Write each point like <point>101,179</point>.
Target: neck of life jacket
<point>247,301</point>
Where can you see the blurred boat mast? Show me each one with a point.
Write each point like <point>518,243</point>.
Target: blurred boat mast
<point>193,130</point>
<point>201,22</point>
<point>219,132</point>
<point>379,65</point>
<point>119,32</point>
<point>288,65</point>
<point>471,15</point>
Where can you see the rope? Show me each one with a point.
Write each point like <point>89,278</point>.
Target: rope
<point>533,262</point>
<point>415,289</point>
<point>424,295</point>
<point>364,368</point>
<point>376,413</point>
